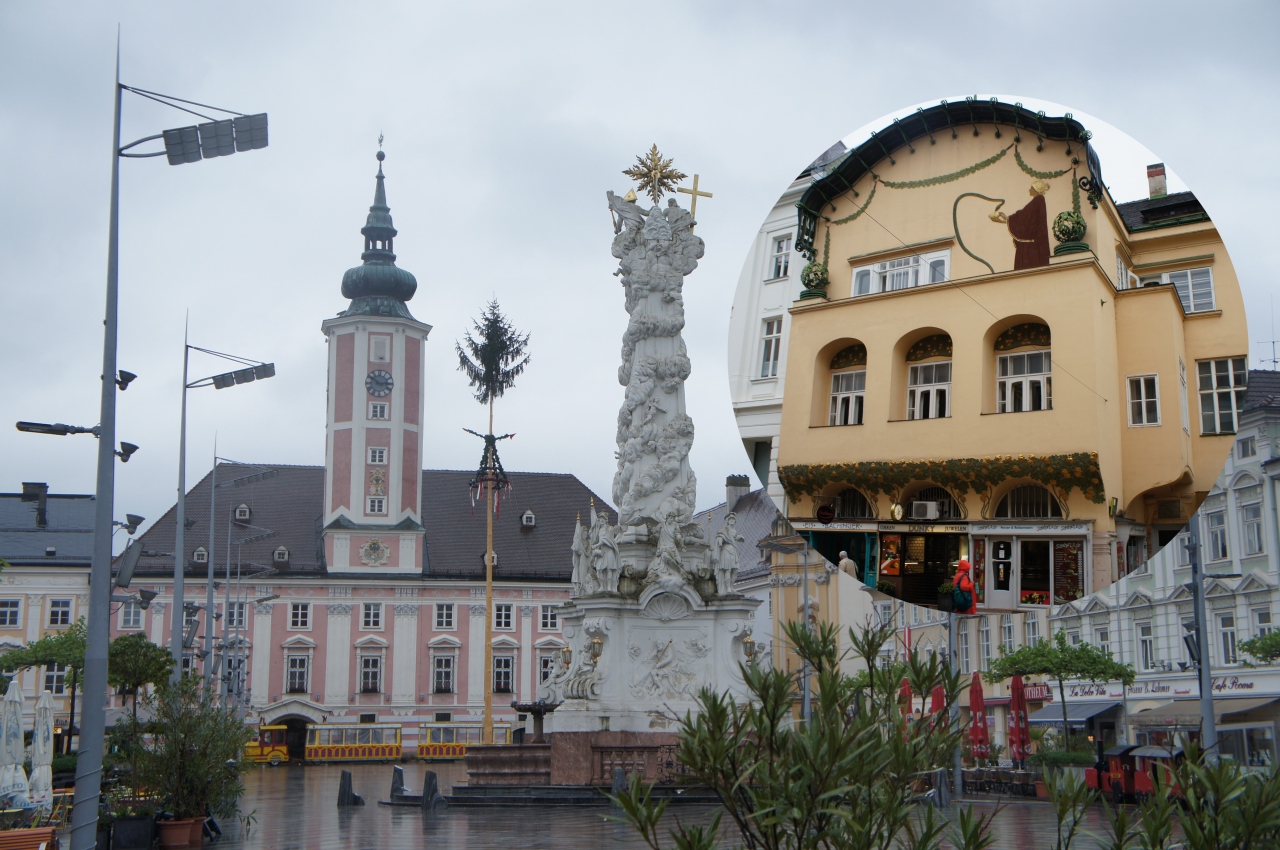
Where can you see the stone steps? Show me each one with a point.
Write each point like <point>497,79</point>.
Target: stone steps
<point>563,795</point>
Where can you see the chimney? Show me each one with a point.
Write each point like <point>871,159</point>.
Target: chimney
<point>38,492</point>
<point>735,487</point>
<point>1156,182</point>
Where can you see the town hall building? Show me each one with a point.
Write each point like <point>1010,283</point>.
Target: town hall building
<point>354,592</point>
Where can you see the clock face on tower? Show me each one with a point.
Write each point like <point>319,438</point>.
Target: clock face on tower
<point>378,383</point>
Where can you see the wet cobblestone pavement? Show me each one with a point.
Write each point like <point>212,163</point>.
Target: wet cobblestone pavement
<point>296,808</point>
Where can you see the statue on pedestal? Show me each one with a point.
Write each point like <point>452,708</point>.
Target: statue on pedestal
<point>726,554</point>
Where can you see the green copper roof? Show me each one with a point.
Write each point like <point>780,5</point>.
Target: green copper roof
<point>378,287</point>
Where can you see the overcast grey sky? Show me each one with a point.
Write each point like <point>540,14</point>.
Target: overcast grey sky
<point>505,123</point>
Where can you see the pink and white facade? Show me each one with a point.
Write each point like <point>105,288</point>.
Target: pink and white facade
<point>357,588</point>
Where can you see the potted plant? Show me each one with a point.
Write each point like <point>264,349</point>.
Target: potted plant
<point>945,600</point>
<point>193,750</point>
<point>133,824</point>
<point>887,587</point>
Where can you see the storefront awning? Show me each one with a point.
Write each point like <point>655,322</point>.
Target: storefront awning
<point>1156,752</point>
<point>1119,749</point>
<point>1186,712</point>
<point>1077,712</point>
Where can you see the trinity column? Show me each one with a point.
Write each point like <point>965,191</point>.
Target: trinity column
<point>653,615</point>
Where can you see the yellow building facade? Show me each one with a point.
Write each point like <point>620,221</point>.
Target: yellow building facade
<point>995,360</point>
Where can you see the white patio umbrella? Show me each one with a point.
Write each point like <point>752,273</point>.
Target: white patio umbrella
<point>42,754</point>
<point>13,779</point>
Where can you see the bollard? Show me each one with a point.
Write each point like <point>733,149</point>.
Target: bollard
<point>346,796</point>
<point>431,797</point>
<point>397,783</point>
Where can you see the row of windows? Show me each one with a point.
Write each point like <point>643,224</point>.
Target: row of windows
<point>201,555</point>
<point>371,616</point>
<point>1024,383</point>
<point>11,613</point>
<point>443,668</point>
<point>902,273</point>
<point>1227,633</point>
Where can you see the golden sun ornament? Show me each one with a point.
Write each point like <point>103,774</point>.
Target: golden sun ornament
<point>653,174</point>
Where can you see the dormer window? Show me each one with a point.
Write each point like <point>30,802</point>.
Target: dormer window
<point>200,556</point>
<point>281,555</point>
<point>528,520</point>
<point>242,513</point>
<point>484,558</point>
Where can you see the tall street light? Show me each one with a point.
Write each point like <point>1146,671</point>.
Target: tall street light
<point>185,144</point>
<point>1208,725</point>
<point>803,550</point>
<point>252,370</point>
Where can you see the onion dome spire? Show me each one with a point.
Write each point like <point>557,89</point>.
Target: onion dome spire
<point>378,287</point>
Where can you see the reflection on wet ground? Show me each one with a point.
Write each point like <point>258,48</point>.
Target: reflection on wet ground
<point>295,808</point>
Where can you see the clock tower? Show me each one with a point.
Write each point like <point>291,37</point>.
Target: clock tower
<point>373,433</point>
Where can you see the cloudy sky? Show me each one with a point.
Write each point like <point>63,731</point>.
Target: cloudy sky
<point>505,123</point>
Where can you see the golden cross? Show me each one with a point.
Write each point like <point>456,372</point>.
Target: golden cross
<point>693,204</point>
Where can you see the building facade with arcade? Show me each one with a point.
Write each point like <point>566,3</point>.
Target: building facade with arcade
<point>992,359</point>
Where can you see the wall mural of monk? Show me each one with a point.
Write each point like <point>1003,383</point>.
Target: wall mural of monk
<point>1029,228</point>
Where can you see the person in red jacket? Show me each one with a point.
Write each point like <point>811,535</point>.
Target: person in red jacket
<point>963,582</point>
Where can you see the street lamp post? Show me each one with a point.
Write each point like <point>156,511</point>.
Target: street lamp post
<point>1208,726</point>
<point>187,144</point>
<point>252,370</point>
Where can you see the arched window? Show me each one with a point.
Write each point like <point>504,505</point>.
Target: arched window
<point>947,507</point>
<point>848,385</point>
<point>852,504</point>
<point>281,555</point>
<point>200,556</point>
<point>242,513</point>
<point>929,383</point>
<point>1023,376</point>
<point>1029,501</point>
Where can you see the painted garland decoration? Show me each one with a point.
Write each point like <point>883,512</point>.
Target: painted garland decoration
<point>1027,333</point>
<point>850,355</point>
<point>937,345</point>
<point>1078,470</point>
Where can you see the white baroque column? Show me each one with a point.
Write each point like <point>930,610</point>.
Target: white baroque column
<point>475,654</point>
<point>337,658</point>
<point>259,661</point>
<point>404,666</point>
<point>157,623</point>
<point>525,690</point>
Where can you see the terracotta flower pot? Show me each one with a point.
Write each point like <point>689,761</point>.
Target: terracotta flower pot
<point>1041,791</point>
<point>197,835</point>
<point>175,833</point>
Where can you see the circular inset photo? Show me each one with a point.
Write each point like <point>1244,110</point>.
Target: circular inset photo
<point>985,333</point>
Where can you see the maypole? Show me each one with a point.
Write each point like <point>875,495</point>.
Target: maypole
<point>492,360</point>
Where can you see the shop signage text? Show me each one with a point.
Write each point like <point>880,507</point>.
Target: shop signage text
<point>1232,683</point>
<point>926,529</point>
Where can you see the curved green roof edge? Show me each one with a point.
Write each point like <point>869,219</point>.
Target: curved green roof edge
<point>952,117</point>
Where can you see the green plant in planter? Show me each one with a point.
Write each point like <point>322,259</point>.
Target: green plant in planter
<point>886,586</point>
<point>191,751</point>
<point>946,587</point>
<point>1069,229</point>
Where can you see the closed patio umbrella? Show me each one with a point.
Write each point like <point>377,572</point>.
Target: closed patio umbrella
<point>979,737</point>
<point>1019,729</point>
<point>42,754</point>
<point>13,779</point>
<point>905,697</point>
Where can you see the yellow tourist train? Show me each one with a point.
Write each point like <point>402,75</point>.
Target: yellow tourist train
<point>353,742</point>
<point>449,740</point>
<point>268,747</point>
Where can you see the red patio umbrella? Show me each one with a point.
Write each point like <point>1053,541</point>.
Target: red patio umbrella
<point>1019,730</point>
<point>979,738</point>
<point>904,694</point>
<point>937,703</point>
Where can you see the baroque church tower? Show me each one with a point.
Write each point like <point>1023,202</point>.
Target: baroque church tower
<point>373,430</point>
